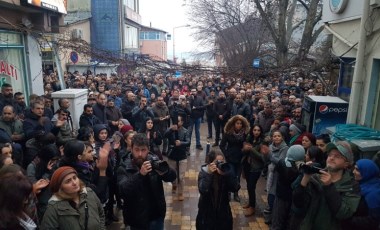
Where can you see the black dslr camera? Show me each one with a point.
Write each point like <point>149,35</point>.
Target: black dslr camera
<point>310,169</point>
<point>222,166</point>
<point>158,164</point>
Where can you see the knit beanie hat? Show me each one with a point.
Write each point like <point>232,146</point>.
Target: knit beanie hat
<point>58,176</point>
<point>126,128</point>
<point>295,153</point>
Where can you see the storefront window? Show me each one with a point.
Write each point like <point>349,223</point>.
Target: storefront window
<point>12,69</point>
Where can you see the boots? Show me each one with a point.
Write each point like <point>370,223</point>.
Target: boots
<point>215,144</point>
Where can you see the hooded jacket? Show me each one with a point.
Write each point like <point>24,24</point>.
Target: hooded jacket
<point>61,215</point>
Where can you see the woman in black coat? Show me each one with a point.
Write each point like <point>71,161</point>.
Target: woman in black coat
<point>234,136</point>
<point>214,184</point>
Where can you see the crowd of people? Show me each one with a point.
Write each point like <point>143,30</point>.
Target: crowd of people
<point>135,133</point>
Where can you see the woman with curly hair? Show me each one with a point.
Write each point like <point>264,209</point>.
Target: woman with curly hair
<point>235,133</point>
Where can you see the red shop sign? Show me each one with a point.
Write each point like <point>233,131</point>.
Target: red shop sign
<point>8,69</point>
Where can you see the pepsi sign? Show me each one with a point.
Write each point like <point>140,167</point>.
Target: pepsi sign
<point>323,109</point>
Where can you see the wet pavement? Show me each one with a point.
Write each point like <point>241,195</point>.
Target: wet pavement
<point>181,215</point>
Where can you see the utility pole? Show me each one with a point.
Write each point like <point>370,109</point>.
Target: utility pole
<point>359,75</point>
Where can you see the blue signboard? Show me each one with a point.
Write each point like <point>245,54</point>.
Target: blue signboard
<point>178,74</point>
<point>256,63</point>
<point>74,57</point>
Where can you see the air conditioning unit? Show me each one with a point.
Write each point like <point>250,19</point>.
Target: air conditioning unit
<point>77,34</point>
<point>374,3</point>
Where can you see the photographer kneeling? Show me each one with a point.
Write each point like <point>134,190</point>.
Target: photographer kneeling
<point>215,181</point>
<point>328,196</point>
<point>140,179</point>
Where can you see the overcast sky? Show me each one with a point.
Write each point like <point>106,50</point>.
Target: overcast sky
<point>165,15</point>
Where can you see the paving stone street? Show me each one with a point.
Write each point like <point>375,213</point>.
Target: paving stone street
<point>181,215</point>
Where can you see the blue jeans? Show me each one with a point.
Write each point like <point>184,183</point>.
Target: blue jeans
<point>197,123</point>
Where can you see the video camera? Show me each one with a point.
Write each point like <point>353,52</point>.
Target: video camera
<point>310,169</point>
<point>158,164</point>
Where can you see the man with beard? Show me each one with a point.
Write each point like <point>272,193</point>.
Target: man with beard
<point>140,185</point>
<point>329,196</point>
<point>6,96</point>
<point>88,119</point>
<point>100,108</point>
<point>113,115</point>
<point>14,129</point>
<point>265,118</point>
<point>197,105</point>
<point>140,113</point>
<point>210,113</point>
<point>222,111</point>
<point>19,105</point>
<point>161,120</point>
<point>127,106</point>
<point>239,107</point>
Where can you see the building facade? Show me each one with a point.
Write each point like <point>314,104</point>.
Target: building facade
<point>22,25</point>
<point>343,20</point>
<point>153,43</point>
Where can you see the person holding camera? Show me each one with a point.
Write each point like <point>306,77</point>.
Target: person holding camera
<point>215,181</point>
<point>140,113</point>
<point>287,173</point>
<point>140,179</point>
<point>330,195</point>
<point>179,140</point>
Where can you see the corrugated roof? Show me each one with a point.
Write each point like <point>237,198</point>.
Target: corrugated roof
<point>76,16</point>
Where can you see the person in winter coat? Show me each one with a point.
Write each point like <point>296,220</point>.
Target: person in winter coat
<point>367,215</point>
<point>100,108</point>
<point>141,187</point>
<point>154,136</point>
<point>287,170</point>
<point>278,150</point>
<point>255,149</point>
<point>65,134</point>
<point>113,115</point>
<point>140,113</point>
<point>79,155</point>
<point>88,119</point>
<point>329,196</point>
<point>102,140</point>
<point>15,189</point>
<point>35,122</point>
<point>235,134</point>
<point>222,114</point>
<point>215,184</point>
<point>161,120</point>
<point>179,141</point>
<point>73,206</point>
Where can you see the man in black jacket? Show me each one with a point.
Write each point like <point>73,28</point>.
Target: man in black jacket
<point>222,111</point>
<point>179,141</point>
<point>88,119</point>
<point>197,104</point>
<point>100,108</point>
<point>140,185</point>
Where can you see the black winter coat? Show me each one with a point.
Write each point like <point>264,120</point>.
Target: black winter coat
<point>232,147</point>
<point>143,196</point>
<point>88,121</point>
<point>214,211</point>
